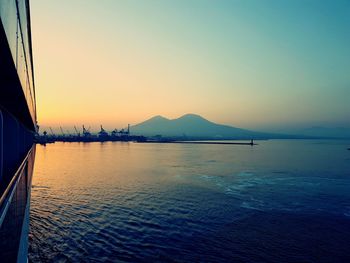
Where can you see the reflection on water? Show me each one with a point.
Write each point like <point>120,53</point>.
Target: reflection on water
<point>115,202</point>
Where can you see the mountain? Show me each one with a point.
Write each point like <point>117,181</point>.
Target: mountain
<point>193,126</point>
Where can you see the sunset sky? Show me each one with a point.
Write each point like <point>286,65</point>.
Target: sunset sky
<point>252,64</point>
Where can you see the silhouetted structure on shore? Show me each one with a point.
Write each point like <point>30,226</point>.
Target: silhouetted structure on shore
<point>123,135</point>
<point>102,136</point>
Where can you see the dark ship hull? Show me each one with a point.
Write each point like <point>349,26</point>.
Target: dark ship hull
<point>17,128</point>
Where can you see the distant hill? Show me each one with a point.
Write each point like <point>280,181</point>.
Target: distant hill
<point>193,126</point>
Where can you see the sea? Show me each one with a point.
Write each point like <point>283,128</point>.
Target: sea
<point>278,201</point>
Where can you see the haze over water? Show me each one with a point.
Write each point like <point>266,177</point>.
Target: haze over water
<point>280,201</point>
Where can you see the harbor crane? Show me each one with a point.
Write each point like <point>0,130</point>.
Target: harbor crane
<point>86,132</point>
<point>76,130</point>
<point>102,133</point>
<point>102,130</point>
<point>63,134</point>
<point>52,133</point>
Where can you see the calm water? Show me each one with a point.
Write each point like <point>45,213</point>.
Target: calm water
<point>281,201</point>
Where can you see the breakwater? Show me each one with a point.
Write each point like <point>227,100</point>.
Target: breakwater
<point>251,143</point>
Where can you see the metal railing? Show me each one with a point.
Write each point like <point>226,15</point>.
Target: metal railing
<point>7,195</point>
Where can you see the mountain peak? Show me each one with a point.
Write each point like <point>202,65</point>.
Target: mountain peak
<point>157,118</point>
<point>191,116</point>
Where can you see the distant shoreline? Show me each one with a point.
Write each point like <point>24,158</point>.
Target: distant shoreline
<point>142,139</point>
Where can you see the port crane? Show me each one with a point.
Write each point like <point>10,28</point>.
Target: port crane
<point>102,132</point>
<point>63,134</point>
<point>86,132</point>
<point>76,130</point>
<point>52,133</point>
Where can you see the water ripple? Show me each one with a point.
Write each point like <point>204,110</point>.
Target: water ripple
<point>137,203</point>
